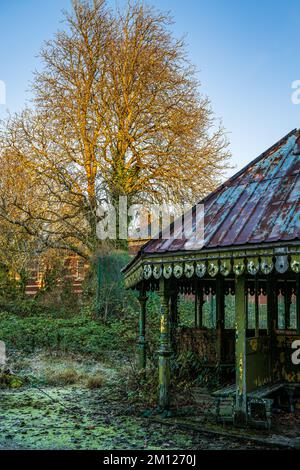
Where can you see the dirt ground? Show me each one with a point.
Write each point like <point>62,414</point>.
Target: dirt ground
<point>41,416</point>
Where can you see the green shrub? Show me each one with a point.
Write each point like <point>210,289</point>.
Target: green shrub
<point>9,380</point>
<point>79,335</point>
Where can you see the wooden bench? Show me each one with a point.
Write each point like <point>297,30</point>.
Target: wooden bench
<point>224,403</point>
<point>291,389</point>
<point>260,398</point>
<point>257,401</point>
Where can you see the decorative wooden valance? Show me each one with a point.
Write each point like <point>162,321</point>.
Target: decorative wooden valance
<point>247,262</point>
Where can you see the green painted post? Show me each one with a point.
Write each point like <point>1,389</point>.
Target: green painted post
<point>256,307</point>
<point>298,303</point>
<point>240,417</point>
<point>270,305</point>
<point>142,332</point>
<point>275,301</point>
<point>165,347</point>
<point>271,322</point>
<point>220,317</point>
<point>213,320</point>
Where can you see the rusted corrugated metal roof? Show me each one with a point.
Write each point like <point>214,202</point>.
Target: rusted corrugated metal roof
<point>260,204</point>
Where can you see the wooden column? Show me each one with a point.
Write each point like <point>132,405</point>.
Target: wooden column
<point>173,317</point>
<point>275,300</point>
<point>298,303</point>
<point>165,346</point>
<point>220,316</point>
<point>271,314</point>
<point>240,417</point>
<point>256,288</point>
<point>271,321</point>
<point>142,331</point>
<point>212,308</point>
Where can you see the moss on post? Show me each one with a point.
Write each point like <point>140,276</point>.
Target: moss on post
<point>240,417</point>
<point>165,346</point>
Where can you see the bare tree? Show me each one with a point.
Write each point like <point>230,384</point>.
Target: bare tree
<point>117,112</point>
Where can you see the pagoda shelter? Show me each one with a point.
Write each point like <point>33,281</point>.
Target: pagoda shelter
<point>251,248</point>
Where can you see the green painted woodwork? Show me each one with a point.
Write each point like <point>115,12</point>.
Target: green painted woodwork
<point>284,369</point>
<point>272,314</point>
<point>258,362</point>
<point>256,308</point>
<point>240,417</point>
<point>164,346</point>
<point>142,332</point>
<point>298,303</point>
<point>236,262</point>
<point>220,317</point>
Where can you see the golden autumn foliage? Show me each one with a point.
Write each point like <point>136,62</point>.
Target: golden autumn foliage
<point>117,111</point>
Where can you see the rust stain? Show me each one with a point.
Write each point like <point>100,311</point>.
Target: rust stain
<point>259,204</point>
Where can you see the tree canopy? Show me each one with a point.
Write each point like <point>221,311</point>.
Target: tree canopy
<point>117,111</point>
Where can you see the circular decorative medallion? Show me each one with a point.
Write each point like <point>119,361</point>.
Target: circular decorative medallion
<point>157,271</point>
<point>225,268</point>
<point>178,271</point>
<point>147,271</point>
<point>253,267</point>
<point>239,268</point>
<point>167,271</point>
<point>212,269</point>
<point>266,266</point>
<point>295,266</point>
<point>189,270</point>
<point>200,269</point>
<point>281,264</point>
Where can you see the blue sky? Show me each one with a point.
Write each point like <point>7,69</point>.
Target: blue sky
<point>246,53</point>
